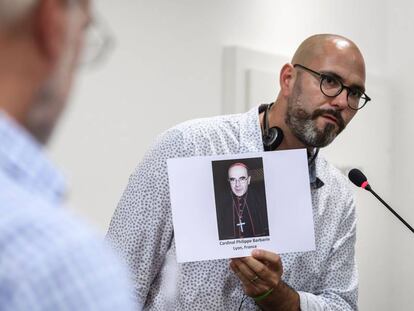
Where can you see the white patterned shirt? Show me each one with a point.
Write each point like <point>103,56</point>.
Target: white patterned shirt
<point>142,230</point>
<point>49,260</point>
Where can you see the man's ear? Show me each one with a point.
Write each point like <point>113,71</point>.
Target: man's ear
<point>286,79</point>
<point>50,27</point>
<point>248,180</point>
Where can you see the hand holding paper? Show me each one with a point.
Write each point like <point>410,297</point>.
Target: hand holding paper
<point>258,274</point>
<point>261,276</point>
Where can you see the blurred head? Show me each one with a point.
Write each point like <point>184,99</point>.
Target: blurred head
<point>312,117</point>
<point>41,42</point>
<point>239,179</point>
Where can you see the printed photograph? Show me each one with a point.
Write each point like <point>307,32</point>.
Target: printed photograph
<point>240,196</point>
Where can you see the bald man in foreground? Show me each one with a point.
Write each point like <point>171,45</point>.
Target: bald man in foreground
<point>49,259</point>
<point>320,92</point>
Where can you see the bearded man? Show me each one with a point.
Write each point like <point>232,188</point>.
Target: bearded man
<point>321,90</point>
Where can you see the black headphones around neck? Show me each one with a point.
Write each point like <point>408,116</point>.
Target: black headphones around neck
<point>272,137</point>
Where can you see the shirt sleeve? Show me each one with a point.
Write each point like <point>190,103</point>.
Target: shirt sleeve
<point>141,229</point>
<point>60,265</point>
<point>338,283</point>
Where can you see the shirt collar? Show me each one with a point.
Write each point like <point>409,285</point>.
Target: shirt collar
<point>251,139</point>
<point>23,160</point>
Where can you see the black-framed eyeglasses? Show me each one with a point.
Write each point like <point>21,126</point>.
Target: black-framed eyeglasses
<point>331,86</point>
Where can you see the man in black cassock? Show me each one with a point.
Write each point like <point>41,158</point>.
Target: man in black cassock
<point>241,211</point>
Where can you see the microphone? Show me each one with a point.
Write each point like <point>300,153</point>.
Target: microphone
<point>358,179</point>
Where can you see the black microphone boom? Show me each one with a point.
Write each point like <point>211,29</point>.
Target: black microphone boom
<point>359,179</point>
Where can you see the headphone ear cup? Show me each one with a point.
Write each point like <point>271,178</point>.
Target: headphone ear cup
<point>273,139</point>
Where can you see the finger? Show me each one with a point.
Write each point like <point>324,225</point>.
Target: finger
<point>243,278</point>
<point>258,268</point>
<point>263,255</point>
<point>274,261</point>
<point>270,272</point>
<point>234,262</point>
<point>249,277</point>
<point>245,270</point>
<point>233,266</point>
<point>250,288</point>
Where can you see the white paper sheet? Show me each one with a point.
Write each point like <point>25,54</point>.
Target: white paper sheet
<point>197,185</point>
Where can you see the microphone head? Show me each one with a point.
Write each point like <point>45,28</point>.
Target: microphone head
<point>358,178</point>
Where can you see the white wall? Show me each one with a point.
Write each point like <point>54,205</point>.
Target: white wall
<point>401,73</point>
<point>167,68</point>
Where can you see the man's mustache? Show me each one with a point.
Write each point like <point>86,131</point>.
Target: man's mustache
<point>334,113</point>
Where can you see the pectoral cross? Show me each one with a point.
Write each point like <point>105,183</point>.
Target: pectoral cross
<point>241,224</point>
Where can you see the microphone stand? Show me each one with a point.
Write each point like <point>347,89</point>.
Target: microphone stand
<point>389,208</point>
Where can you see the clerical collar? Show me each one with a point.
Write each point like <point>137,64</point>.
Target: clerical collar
<point>239,198</point>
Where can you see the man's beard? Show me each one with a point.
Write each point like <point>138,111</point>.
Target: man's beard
<point>303,124</point>
<point>50,99</point>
